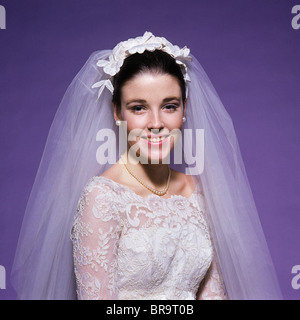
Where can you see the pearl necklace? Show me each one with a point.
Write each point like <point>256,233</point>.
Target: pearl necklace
<point>157,192</point>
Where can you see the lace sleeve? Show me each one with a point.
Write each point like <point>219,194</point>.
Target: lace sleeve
<point>212,286</point>
<point>95,236</point>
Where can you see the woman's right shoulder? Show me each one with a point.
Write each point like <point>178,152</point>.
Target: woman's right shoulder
<point>97,199</point>
<point>99,184</point>
<point>103,188</point>
<point>106,183</point>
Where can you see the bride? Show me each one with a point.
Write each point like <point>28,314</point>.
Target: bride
<point>140,233</point>
<point>148,226</point>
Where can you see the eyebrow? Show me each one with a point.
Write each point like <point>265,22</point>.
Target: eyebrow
<point>166,100</point>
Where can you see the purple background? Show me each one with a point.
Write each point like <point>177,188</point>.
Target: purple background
<point>248,48</point>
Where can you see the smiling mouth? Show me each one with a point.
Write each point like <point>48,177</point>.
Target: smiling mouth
<point>156,139</point>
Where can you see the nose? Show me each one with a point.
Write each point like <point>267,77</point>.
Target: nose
<point>155,122</point>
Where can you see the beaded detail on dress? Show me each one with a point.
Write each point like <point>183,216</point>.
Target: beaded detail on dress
<point>129,247</point>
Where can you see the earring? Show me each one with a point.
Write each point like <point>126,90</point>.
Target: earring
<point>118,122</point>
<point>183,119</point>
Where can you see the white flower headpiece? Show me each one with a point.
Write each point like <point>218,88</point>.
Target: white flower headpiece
<point>148,42</point>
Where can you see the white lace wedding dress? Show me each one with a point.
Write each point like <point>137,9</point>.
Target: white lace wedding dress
<point>129,247</point>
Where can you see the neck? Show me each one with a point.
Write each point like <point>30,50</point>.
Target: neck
<point>156,174</point>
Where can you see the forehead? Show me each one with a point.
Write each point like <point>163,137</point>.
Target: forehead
<point>151,87</point>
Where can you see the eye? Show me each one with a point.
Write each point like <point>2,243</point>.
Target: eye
<point>171,107</point>
<point>137,109</point>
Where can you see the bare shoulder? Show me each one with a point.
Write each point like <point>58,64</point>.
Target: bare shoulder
<point>182,184</point>
<point>115,172</point>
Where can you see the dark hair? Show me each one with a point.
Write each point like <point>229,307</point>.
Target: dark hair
<point>157,61</point>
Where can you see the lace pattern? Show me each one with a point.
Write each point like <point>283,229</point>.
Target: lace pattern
<point>129,247</point>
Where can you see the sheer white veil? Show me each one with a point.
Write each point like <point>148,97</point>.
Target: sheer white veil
<point>43,266</point>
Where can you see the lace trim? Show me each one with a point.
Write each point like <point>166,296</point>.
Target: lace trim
<point>128,246</point>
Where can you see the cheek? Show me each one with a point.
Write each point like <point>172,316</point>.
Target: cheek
<point>134,123</point>
<point>171,121</point>
<point>174,122</point>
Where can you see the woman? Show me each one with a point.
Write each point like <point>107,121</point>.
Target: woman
<point>143,230</point>
<point>136,245</point>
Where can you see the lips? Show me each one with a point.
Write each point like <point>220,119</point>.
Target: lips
<point>155,139</point>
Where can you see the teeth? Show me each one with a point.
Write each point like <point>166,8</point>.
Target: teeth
<point>156,139</point>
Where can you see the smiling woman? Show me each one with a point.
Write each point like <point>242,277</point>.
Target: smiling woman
<point>154,116</point>
<point>151,99</point>
<point>152,103</point>
<point>143,227</point>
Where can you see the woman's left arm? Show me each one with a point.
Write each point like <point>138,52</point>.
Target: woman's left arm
<point>212,286</point>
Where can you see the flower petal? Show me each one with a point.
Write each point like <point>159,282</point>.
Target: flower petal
<point>102,63</point>
<point>147,42</point>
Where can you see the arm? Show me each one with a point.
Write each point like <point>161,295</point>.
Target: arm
<point>212,287</point>
<point>95,236</point>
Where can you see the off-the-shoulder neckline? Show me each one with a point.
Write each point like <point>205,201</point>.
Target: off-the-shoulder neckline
<point>150,195</point>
